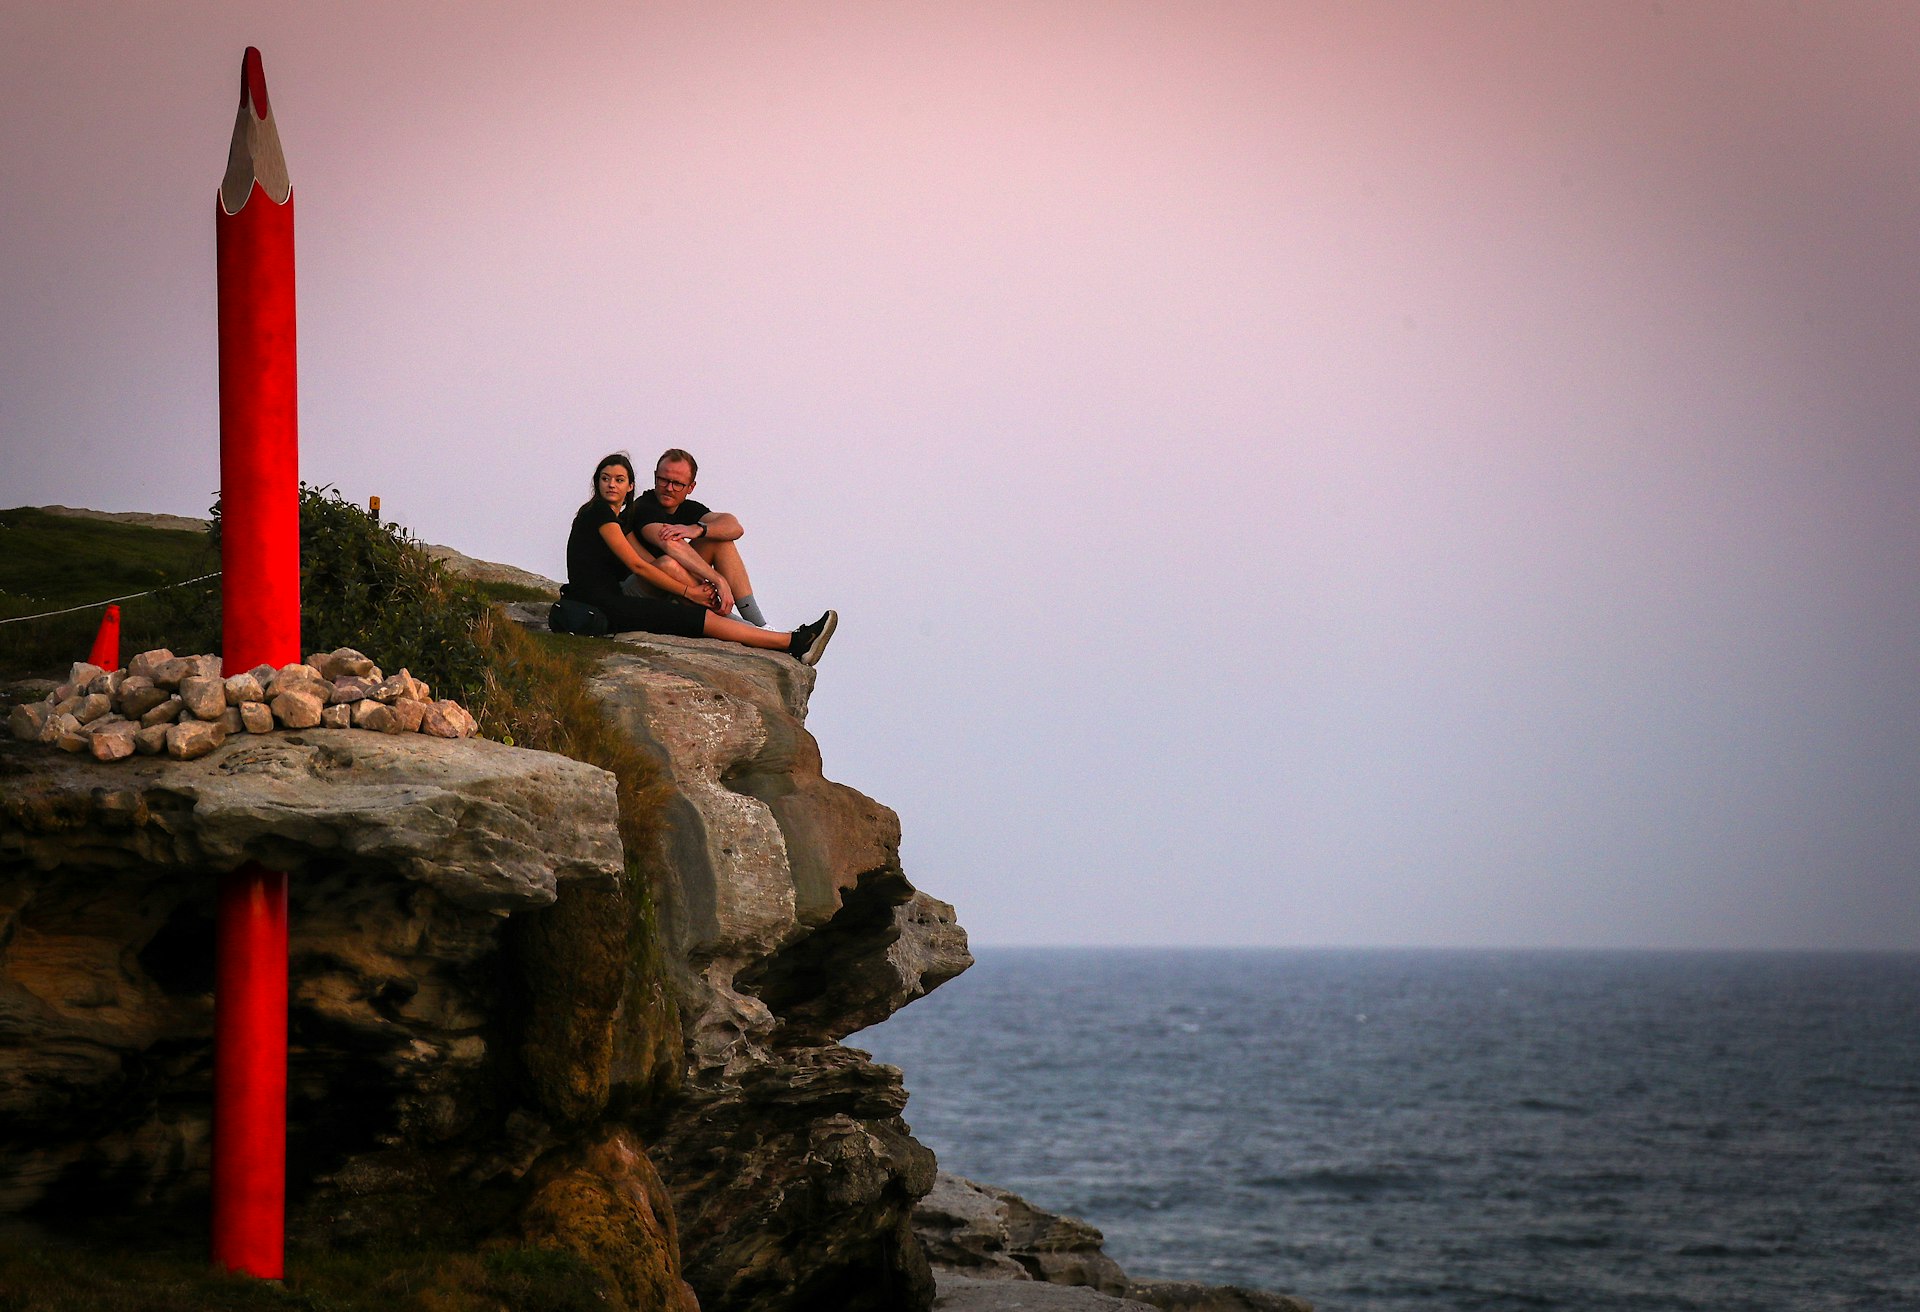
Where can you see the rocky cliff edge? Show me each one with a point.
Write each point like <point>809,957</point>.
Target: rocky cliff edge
<point>480,1039</point>
<point>791,924</point>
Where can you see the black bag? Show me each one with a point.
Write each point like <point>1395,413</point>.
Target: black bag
<point>570,616</point>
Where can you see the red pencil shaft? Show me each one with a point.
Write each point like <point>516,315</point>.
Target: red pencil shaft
<point>259,435</point>
<point>260,623</point>
<point>250,1073</point>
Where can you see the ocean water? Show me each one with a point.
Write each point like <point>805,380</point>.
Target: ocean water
<point>1391,1131</point>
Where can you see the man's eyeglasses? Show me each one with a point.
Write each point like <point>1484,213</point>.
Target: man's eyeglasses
<point>670,484</point>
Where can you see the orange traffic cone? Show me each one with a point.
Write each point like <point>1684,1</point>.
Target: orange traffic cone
<point>106,643</point>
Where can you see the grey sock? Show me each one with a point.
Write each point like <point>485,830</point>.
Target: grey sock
<point>750,611</point>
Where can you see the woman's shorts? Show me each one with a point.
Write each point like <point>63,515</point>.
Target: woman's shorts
<point>626,614</point>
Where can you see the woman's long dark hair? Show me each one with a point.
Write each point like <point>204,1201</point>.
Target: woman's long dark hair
<point>624,460</point>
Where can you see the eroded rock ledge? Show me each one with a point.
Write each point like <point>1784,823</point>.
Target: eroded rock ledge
<point>485,825</point>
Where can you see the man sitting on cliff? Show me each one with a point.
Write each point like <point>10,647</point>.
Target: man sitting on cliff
<point>697,544</point>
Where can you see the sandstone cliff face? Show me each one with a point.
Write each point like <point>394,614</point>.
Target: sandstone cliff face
<point>470,1040</point>
<point>793,1176</point>
<point>407,857</point>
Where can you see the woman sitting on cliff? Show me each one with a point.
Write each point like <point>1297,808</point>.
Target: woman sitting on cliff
<point>601,554</point>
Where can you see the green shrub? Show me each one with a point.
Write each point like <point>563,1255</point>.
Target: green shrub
<point>364,584</point>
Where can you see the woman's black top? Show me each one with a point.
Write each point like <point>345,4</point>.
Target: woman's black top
<point>592,568</point>
<point>594,575</point>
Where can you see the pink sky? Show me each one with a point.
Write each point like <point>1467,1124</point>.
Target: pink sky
<point>1292,473</point>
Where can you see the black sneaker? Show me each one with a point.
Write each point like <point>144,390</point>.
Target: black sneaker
<point>809,640</point>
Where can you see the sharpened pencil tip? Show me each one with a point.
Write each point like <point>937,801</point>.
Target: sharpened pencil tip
<point>253,83</point>
<point>254,155</point>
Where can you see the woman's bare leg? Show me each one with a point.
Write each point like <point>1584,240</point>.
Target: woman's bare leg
<point>718,626</point>
<point>673,569</point>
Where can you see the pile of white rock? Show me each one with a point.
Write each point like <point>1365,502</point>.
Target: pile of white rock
<point>181,706</point>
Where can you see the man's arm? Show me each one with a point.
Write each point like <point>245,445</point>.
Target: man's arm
<point>716,525</point>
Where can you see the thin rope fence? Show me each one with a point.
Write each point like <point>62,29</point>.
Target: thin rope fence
<point>93,605</point>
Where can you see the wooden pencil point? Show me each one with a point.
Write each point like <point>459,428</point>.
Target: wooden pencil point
<point>255,155</point>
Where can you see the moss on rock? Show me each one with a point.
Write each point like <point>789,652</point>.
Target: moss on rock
<point>603,1202</point>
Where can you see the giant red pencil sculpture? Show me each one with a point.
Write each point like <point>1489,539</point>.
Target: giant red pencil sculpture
<point>260,619</point>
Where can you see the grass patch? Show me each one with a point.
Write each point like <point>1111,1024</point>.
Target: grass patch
<point>363,584</point>
<point>50,562</point>
<point>62,1276</point>
<point>534,694</point>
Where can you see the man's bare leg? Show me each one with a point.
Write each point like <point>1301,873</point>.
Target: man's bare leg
<point>725,559</point>
<point>712,555</point>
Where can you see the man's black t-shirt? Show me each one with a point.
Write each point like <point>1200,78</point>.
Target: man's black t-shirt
<point>646,509</point>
